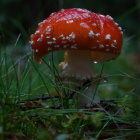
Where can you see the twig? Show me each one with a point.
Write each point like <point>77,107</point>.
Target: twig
<point>40,98</point>
<point>33,104</point>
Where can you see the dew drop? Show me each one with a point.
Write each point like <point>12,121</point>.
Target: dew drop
<point>105,81</point>
<point>95,62</point>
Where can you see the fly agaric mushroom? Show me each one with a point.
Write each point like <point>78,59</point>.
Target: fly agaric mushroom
<point>85,36</point>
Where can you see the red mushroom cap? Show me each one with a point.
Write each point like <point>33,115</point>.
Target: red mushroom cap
<point>78,29</point>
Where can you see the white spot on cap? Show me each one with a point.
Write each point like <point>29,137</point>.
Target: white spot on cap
<point>52,14</point>
<point>39,39</point>
<point>120,28</point>
<point>113,46</point>
<point>69,21</point>
<point>97,41</point>
<point>41,35</point>
<point>98,34</point>
<point>75,17</point>
<point>37,32</point>
<point>115,41</point>
<point>54,39</point>
<point>36,50</point>
<point>108,37</point>
<point>72,35</point>
<point>48,29</point>
<point>67,37</point>
<point>61,36</point>
<point>94,24</point>
<point>116,23</point>
<point>102,16</point>
<point>91,34</point>
<point>83,24</point>
<point>63,41</point>
<point>56,46</point>
<point>48,36</point>
<point>62,19</point>
<point>101,46</point>
<point>109,17</point>
<point>86,15</point>
<point>81,10</point>
<point>40,24</point>
<point>49,42</point>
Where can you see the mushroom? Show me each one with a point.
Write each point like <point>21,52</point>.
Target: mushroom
<point>86,37</point>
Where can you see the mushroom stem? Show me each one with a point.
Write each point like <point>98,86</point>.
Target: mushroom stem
<point>89,96</point>
<point>79,65</point>
<point>78,70</point>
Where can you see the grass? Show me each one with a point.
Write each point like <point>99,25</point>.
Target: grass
<point>21,78</point>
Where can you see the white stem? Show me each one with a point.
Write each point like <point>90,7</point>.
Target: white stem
<point>79,68</point>
<point>79,65</point>
<point>88,99</point>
